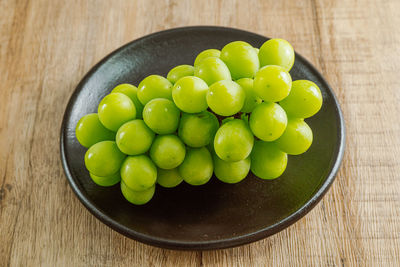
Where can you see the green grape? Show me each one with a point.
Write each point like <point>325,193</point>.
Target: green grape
<point>197,130</point>
<point>233,141</point>
<point>167,151</point>
<point>251,100</point>
<point>161,115</point>
<point>179,72</point>
<point>197,168</point>
<point>272,83</point>
<point>231,172</point>
<point>137,197</point>
<point>104,158</point>
<point>268,121</point>
<point>212,70</point>
<point>134,137</point>
<point>257,50</point>
<point>130,91</point>
<point>303,101</point>
<point>277,52</point>
<point>226,98</point>
<point>138,172</point>
<point>90,131</point>
<point>189,94</point>
<point>205,54</point>
<point>115,109</point>
<point>241,59</point>
<point>106,181</point>
<point>168,178</point>
<point>154,86</point>
<point>210,147</point>
<point>297,137</point>
<point>267,161</point>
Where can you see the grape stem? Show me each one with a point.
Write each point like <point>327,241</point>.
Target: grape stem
<point>223,119</point>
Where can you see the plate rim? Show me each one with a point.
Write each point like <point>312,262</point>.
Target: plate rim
<point>212,244</point>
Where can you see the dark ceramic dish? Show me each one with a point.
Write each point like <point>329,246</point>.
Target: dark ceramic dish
<point>215,215</point>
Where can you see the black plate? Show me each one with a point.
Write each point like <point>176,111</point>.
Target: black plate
<point>215,215</point>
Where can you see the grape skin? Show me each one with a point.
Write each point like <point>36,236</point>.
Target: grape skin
<point>272,83</point>
<point>268,121</point>
<point>267,161</point>
<point>179,72</point>
<point>167,151</point>
<point>137,197</point>
<point>251,100</point>
<point>225,98</point>
<point>206,54</point>
<point>161,116</point>
<point>277,52</point>
<point>197,168</point>
<point>212,70</point>
<point>189,94</point>
<point>115,109</point>
<point>303,101</point>
<point>104,158</point>
<point>90,131</point>
<point>233,141</point>
<point>231,172</point>
<point>241,59</point>
<point>154,86</point>
<point>106,181</point>
<point>297,137</point>
<point>169,178</point>
<point>198,130</point>
<point>130,91</point>
<point>134,137</point>
<point>138,172</point>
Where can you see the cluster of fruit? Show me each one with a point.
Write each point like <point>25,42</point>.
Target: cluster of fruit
<point>219,116</point>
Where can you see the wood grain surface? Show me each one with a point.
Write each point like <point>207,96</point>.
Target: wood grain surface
<point>47,46</point>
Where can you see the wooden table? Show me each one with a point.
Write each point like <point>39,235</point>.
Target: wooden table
<point>47,46</point>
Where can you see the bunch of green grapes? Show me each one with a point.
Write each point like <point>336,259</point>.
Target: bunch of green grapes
<point>234,111</point>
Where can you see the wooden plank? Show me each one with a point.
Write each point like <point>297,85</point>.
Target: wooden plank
<point>47,46</point>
